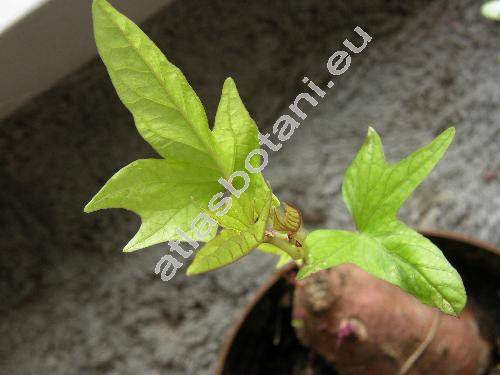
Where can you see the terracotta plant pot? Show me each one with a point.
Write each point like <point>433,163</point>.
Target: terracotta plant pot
<point>263,340</point>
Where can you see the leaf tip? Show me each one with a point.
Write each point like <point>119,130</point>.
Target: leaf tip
<point>446,137</point>
<point>458,306</point>
<point>229,85</point>
<point>99,4</point>
<point>91,206</point>
<point>191,271</point>
<point>450,132</point>
<point>372,136</point>
<point>95,204</point>
<point>88,208</point>
<point>131,246</point>
<point>371,132</point>
<point>452,309</point>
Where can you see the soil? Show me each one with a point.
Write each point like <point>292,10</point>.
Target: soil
<point>72,303</point>
<point>266,342</point>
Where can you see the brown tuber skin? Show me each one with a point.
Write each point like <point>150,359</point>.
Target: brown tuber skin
<point>364,325</point>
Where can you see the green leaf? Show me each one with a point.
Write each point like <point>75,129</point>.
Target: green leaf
<point>244,210</point>
<point>236,136</point>
<point>161,192</point>
<point>230,245</point>
<point>270,249</point>
<point>235,131</point>
<point>284,258</point>
<point>167,112</point>
<point>374,191</point>
<point>169,194</point>
<point>402,257</point>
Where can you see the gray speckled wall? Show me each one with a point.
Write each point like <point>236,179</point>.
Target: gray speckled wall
<point>73,304</point>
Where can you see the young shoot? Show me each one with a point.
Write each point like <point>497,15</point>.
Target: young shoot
<point>207,184</point>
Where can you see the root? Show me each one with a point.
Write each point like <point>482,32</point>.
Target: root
<point>423,345</point>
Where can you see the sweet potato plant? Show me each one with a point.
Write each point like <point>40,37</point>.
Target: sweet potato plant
<point>207,185</point>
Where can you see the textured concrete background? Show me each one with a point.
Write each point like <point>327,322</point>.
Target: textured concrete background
<point>71,303</point>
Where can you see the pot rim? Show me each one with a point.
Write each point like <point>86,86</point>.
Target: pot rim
<point>262,290</point>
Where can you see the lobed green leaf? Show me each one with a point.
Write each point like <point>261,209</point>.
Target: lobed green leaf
<point>401,256</point>
<point>161,192</point>
<point>230,245</point>
<point>374,191</point>
<point>167,112</point>
<point>168,194</point>
<point>235,131</point>
<point>283,259</point>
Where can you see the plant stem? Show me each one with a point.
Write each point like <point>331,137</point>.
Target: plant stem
<point>301,235</point>
<point>286,246</point>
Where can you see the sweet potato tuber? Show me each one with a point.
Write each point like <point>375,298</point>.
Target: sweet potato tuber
<point>365,325</point>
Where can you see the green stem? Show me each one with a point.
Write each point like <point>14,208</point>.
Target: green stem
<point>301,235</point>
<point>286,246</point>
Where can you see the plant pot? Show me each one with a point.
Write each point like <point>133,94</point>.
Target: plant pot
<point>263,340</point>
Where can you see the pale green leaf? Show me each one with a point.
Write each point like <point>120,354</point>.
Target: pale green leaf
<point>161,192</point>
<point>246,208</point>
<point>236,136</point>
<point>270,249</point>
<point>401,256</point>
<point>284,258</point>
<point>168,194</point>
<point>374,191</point>
<point>235,132</point>
<point>230,245</point>
<point>241,215</point>
<point>166,110</point>
<point>227,247</point>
